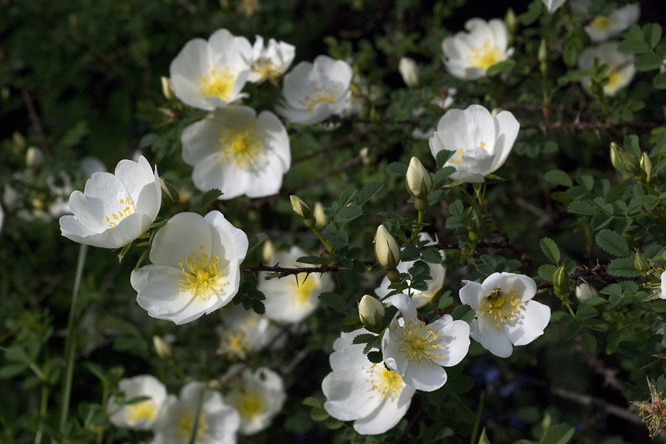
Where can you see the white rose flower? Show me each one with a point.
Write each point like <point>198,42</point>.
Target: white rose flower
<point>369,394</point>
<point>114,209</point>
<point>505,314</point>
<point>481,142</point>
<point>244,332</point>
<point>292,298</point>
<point>195,267</point>
<point>258,396</point>
<point>238,152</point>
<point>603,27</point>
<point>269,63</point>
<point>139,415</point>
<point>418,351</point>
<point>435,283</point>
<point>468,55</point>
<point>553,5</point>
<point>217,422</point>
<point>211,74</point>
<point>620,70</point>
<point>314,92</point>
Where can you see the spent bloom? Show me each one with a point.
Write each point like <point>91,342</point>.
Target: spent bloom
<point>620,70</point>
<point>480,142</point>
<point>506,315</point>
<point>371,395</point>
<point>258,396</point>
<point>553,5</point>
<point>291,299</point>
<point>195,267</point>
<point>211,74</point>
<point>468,55</point>
<point>217,422</point>
<point>603,27</point>
<point>238,152</point>
<point>418,351</point>
<point>244,332</point>
<point>434,284</point>
<point>114,209</point>
<point>652,412</point>
<point>137,415</point>
<point>270,62</point>
<point>315,91</point>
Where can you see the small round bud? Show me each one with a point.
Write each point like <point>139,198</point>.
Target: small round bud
<point>418,180</point>
<point>34,158</point>
<point>386,249</point>
<point>585,291</point>
<point>370,311</point>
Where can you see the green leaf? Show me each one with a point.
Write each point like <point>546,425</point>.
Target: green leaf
<point>633,46</point>
<point>368,191</point>
<point>588,341</point>
<point>632,145</point>
<point>364,338</point>
<point>546,272</point>
<point>255,241</point>
<point>504,66</point>
<point>623,267</point>
<point>582,207</point>
<point>652,33</point>
<point>319,414</point>
<point>11,370</point>
<point>612,243</point>
<point>312,402</point>
<point>350,212</point>
<point>659,81</point>
<point>559,177</point>
<point>396,169</point>
<point>334,301</point>
<point>549,248</point>
<point>558,434</point>
<point>442,157</point>
<point>648,61</point>
<point>442,174</point>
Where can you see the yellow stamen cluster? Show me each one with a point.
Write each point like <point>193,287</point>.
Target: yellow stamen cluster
<point>501,307</point>
<point>457,157</point>
<point>418,342</point>
<point>186,423</point>
<point>385,382</point>
<point>601,23</point>
<point>219,82</point>
<point>203,275</point>
<point>234,343</point>
<point>141,410</point>
<point>615,78</point>
<point>653,413</point>
<point>265,68</point>
<point>127,207</point>
<point>485,56</point>
<point>250,404</point>
<point>241,146</point>
<point>302,289</point>
<point>320,95</point>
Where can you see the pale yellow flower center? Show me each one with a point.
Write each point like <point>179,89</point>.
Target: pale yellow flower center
<point>385,382</point>
<point>615,79</point>
<point>127,207</point>
<point>185,424</point>
<point>302,289</point>
<point>241,146</point>
<point>320,95</point>
<point>203,275</point>
<point>234,343</point>
<point>501,307</point>
<point>418,342</point>
<point>141,410</point>
<point>265,68</point>
<point>457,157</point>
<point>219,82</point>
<point>601,23</point>
<point>250,404</point>
<point>485,56</point>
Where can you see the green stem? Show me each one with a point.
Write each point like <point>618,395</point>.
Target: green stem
<point>42,412</point>
<point>326,243</point>
<point>195,421</point>
<point>475,432</point>
<point>69,341</point>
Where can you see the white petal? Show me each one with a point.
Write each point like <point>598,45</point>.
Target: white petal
<point>183,235</point>
<point>495,341</point>
<point>535,318</point>
<point>159,291</point>
<point>387,415</point>
<point>349,395</point>
<point>425,376</point>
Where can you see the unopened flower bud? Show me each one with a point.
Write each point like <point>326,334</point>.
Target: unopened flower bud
<point>163,349</point>
<point>409,72</point>
<point>561,281</point>
<point>510,20</point>
<point>370,311</point>
<point>646,165</point>
<point>170,195</point>
<point>386,249</point>
<point>268,251</point>
<point>366,159</point>
<point>542,55</point>
<point>18,142</point>
<point>319,215</point>
<point>623,161</point>
<point>167,88</point>
<point>304,210</point>
<point>418,180</point>
<point>585,291</point>
<point>34,158</point>
<point>641,265</point>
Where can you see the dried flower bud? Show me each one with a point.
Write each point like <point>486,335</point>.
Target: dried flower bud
<point>409,72</point>
<point>386,249</point>
<point>370,311</point>
<point>418,180</point>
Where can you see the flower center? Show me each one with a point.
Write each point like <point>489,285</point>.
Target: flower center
<point>320,95</point>
<point>485,56</point>
<point>457,157</point>
<point>615,79</point>
<point>304,286</point>
<point>234,343</point>
<point>265,68</point>
<point>501,307</point>
<point>186,423</point>
<point>418,341</point>
<point>203,275</point>
<point>127,207</point>
<point>250,404</point>
<point>141,410</point>
<point>601,23</point>
<point>242,147</point>
<point>384,381</point>
<point>219,82</point>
